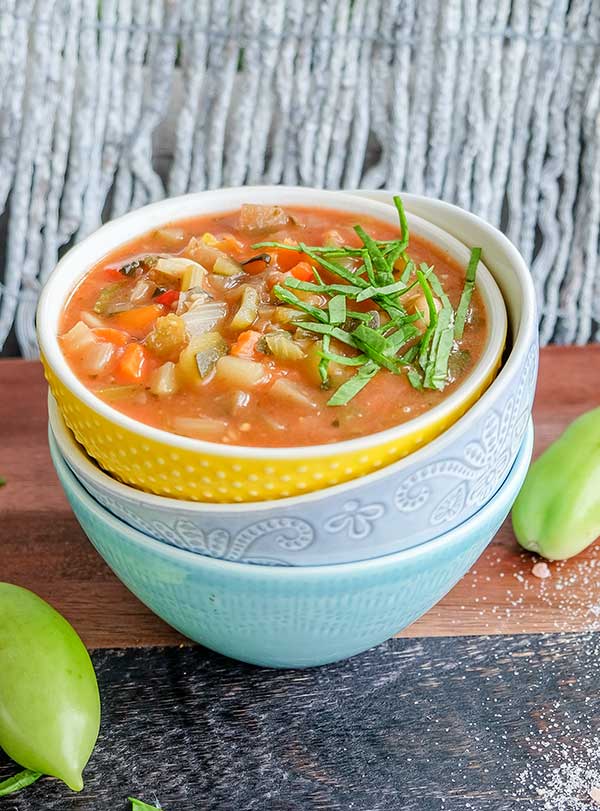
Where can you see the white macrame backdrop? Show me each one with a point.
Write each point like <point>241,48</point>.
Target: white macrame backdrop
<point>493,105</point>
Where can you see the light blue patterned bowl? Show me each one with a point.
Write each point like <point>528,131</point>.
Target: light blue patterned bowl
<point>289,616</point>
<point>400,506</point>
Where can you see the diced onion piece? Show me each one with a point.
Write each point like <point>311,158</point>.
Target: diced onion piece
<point>172,236</point>
<point>333,239</point>
<point>262,218</point>
<point>79,338</point>
<point>241,373</point>
<point>119,392</point>
<point>203,316</point>
<point>248,309</point>
<point>142,291</point>
<point>282,347</point>
<point>199,358</point>
<point>292,392</point>
<point>226,266</point>
<point>199,427</point>
<point>164,381</point>
<point>97,357</point>
<point>189,298</point>
<point>91,319</point>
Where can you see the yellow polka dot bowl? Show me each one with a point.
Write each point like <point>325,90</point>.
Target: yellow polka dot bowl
<point>166,464</point>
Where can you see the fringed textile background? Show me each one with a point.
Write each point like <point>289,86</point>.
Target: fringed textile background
<point>492,105</point>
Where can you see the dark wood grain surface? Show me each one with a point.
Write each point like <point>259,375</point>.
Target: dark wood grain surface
<point>485,724</point>
<point>42,547</point>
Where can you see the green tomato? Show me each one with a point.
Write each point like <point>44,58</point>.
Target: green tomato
<point>49,700</point>
<point>557,512</point>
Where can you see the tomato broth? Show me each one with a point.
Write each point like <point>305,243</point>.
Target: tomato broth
<point>252,328</point>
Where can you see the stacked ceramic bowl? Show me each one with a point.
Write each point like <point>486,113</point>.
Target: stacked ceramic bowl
<point>302,555</point>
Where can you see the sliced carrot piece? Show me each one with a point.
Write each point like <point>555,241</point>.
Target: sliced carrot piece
<point>113,336</point>
<point>245,346</point>
<point>303,271</point>
<point>133,366</point>
<point>287,259</point>
<point>138,321</point>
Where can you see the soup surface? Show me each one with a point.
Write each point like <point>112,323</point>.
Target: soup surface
<point>275,327</point>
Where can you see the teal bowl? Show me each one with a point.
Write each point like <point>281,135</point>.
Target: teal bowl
<point>289,616</point>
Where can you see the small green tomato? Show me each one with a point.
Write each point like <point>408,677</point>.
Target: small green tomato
<point>49,700</point>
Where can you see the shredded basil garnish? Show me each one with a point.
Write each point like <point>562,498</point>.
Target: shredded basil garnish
<point>380,336</point>
<point>351,387</point>
<point>465,299</point>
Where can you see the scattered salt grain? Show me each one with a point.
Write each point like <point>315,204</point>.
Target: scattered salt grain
<point>541,570</point>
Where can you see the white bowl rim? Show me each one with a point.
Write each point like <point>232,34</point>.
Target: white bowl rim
<point>259,572</point>
<point>48,338</point>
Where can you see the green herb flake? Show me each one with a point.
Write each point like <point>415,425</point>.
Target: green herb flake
<point>414,378</point>
<point>324,362</point>
<point>383,271</point>
<point>465,298</point>
<point>326,329</point>
<point>291,298</point>
<point>337,310</point>
<point>351,387</point>
<point>138,805</point>
<point>2,481</point>
<point>433,317</point>
<point>18,781</point>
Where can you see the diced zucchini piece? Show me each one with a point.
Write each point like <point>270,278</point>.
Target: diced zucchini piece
<point>285,315</point>
<point>241,373</point>
<point>248,309</point>
<point>199,358</point>
<point>168,337</point>
<point>108,296</point>
<point>164,380</point>
<point>282,347</point>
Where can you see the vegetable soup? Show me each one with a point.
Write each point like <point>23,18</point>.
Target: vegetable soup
<point>275,327</point>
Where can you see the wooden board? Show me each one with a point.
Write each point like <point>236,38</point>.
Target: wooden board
<point>42,547</point>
